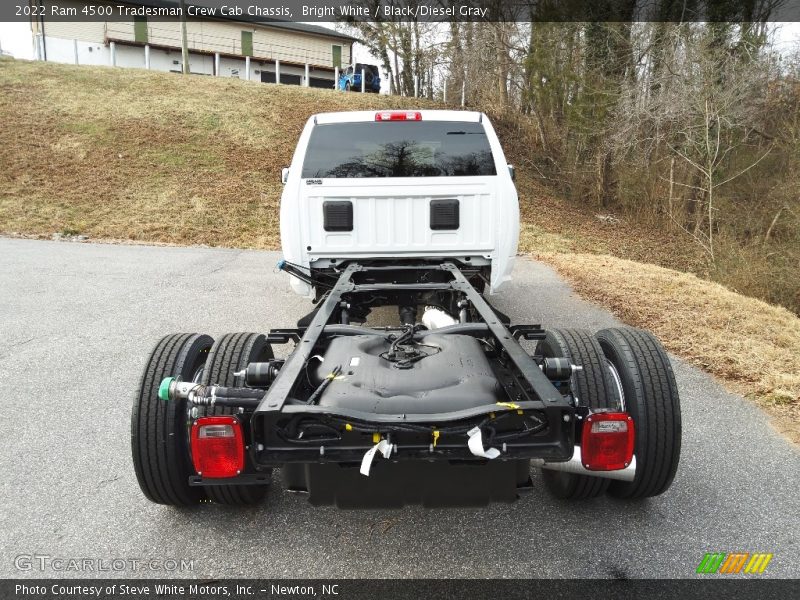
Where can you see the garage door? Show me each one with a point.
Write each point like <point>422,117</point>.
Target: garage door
<point>288,79</point>
<point>320,82</point>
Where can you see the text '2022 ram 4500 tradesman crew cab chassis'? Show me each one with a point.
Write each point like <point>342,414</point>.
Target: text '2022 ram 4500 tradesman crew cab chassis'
<point>444,406</point>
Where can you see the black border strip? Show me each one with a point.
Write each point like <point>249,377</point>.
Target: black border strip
<point>301,14</point>
<point>734,588</point>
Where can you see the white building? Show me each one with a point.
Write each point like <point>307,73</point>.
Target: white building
<point>243,47</point>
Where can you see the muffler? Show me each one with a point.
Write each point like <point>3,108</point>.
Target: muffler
<point>436,318</point>
<point>575,465</point>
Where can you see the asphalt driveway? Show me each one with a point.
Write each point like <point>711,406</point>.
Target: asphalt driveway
<point>77,321</point>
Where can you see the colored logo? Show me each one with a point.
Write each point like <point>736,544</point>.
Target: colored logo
<point>736,562</point>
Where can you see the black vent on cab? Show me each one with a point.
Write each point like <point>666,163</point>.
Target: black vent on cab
<point>444,214</point>
<point>337,215</point>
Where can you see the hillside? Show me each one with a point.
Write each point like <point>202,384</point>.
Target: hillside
<point>160,158</point>
<point>154,157</point>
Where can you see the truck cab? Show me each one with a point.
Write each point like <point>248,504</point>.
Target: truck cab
<point>397,185</point>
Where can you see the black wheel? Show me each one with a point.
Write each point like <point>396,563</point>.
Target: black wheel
<point>347,86</point>
<point>230,354</point>
<point>592,387</point>
<point>159,439</point>
<point>650,395</point>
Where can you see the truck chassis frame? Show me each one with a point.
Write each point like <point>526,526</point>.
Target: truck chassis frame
<point>538,409</point>
<point>528,388</point>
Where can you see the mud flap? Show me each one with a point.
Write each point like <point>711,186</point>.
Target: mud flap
<point>397,484</point>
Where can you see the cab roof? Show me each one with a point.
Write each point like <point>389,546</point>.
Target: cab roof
<point>362,116</point>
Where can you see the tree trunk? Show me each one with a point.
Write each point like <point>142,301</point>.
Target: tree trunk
<point>501,54</point>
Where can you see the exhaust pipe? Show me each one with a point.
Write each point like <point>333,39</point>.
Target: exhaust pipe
<point>574,465</point>
<point>435,318</point>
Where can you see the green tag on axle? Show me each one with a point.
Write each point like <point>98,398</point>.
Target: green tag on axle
<point>163,389</point>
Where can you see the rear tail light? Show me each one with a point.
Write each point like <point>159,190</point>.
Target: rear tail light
<point>217,447</point>
<point>398,115</point>
<point>607,442</point>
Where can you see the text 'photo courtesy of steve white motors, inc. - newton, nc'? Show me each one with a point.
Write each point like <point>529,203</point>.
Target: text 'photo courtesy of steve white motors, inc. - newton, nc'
<point>316,11</point>
<point>177,590</point>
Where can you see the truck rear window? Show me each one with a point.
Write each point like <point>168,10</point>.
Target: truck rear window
<point>398,149</point>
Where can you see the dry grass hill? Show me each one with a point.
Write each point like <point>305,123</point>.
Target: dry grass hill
<point>129,155</point>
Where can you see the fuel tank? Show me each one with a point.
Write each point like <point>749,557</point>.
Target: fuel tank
<point>444,373</point>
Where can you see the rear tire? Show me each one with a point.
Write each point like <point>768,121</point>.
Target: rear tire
<point>591,387</point>
<point>231,353</point>
<point>159,439</point>
<point>651,398</point>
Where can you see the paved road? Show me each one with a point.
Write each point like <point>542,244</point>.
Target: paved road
<point>77,321</point>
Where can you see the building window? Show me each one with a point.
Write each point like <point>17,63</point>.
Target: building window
<point>140,29</point>
<point>337,55</point>
<point>247,43</point>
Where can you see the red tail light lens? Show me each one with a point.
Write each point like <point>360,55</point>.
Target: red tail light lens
<point>398,115</point>
<point>607,441</point>
<point>217,447</point>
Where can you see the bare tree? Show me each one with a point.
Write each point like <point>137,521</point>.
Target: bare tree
<point>700,109</point>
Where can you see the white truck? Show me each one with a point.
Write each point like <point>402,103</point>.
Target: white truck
<point>429,184</point>
<point>415,210</point>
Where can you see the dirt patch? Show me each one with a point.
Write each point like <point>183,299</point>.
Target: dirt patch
<point>751,346</point>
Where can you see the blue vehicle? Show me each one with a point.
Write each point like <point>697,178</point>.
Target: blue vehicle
<point>350,79</point>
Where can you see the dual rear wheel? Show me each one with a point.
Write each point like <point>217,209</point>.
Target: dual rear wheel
<point>623,369</point>
<point>159,429</point>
